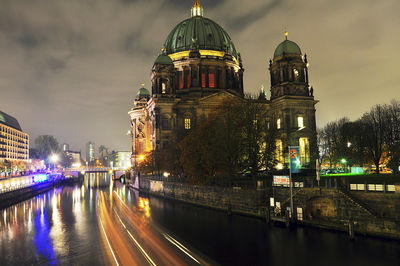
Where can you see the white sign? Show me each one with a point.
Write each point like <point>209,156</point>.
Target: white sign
<point>300,214</point>
<point>281,180</point>
<point>156,186</point>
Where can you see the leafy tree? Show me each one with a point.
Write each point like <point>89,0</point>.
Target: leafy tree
<point>257,138</point>
<point>2,166</point>
<point>234,140</point>
<point>34,154</point>
<point>199,157</point>
<point>46,145</point>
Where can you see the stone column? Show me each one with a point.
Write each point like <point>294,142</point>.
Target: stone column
<point>222,78</point>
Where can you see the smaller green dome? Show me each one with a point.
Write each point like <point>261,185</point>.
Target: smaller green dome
<point>163,59</point>
<point>287,47</point>
<point>143,92</point>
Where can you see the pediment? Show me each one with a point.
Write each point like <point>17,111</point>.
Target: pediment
<point>218,97</point>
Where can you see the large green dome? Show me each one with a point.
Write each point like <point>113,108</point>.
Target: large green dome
<point>201,32</point>
<point>287,47</point>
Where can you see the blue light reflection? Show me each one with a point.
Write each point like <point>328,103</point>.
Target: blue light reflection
<point>42,239</point>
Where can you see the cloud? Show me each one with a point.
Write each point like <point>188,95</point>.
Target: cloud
<point>72,68</point>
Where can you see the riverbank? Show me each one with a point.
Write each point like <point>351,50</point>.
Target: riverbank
<point>15,196</point>
<point>372,214</point>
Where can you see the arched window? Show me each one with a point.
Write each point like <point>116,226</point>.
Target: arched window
<point>203,80</point>
<point>296,74</point>
<point>180,75</point>
<point>163,88</point>
<point>187,123</point>
<point>188,80</point>
<point>300,122</point>
<point>304,150</point>
<point>211,80</point>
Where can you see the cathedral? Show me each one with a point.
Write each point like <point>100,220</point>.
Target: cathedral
<point>198,68</point>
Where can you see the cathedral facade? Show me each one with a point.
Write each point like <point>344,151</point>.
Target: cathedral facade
<point>198,69</point>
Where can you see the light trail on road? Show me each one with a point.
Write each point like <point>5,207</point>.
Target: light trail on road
<point>108,243</point>
<point>134,239</point>
<point>180,246</point>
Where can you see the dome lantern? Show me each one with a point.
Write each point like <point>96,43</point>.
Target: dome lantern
<point>197,9</point>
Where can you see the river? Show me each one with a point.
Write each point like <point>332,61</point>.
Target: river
<point>102,223</point>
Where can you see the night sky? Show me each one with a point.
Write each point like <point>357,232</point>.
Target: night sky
<point>71,68</point>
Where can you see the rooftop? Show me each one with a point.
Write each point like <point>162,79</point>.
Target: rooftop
<point>10,121</point>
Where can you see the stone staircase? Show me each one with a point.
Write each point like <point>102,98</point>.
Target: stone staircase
<point>356,202</point>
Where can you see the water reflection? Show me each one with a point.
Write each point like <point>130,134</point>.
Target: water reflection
<point>62,227</point>
<point>42,240</point>
<point>55,227</point>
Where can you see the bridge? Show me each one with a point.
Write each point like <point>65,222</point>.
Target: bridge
<point>95,169</point>
<point>117,172</point>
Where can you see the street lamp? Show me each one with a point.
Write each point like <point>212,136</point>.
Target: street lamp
<point>54,159</point>
<point>344,164</point>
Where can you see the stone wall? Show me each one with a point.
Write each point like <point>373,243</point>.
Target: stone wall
<point>386,205</point>
<point>249,202</point>
<point>12,197</point>
<point>372,213</point>
<point>321,207</point>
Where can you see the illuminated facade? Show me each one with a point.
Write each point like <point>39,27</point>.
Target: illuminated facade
<point>292,100</point>
<point>123,159</point>
<point>90,152</point>
<point>14,143</point>
<point>198,69</point>
<point>75,156</point>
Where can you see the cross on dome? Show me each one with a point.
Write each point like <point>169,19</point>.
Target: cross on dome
<point>197,9</point>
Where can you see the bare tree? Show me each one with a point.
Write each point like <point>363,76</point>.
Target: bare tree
<point>333,141</point>
<point>373,126</point>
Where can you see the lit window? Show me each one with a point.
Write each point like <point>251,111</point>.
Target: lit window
<point>278,123</point>
<point>203,80</point>
<point>180,80</point>
<point>304,150</point>
<point>300,122</point>
<point>296,72</point>
<point>164,89</point>
<point>211,80</point>
<point>188,80</point>
<point>187,123</point>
